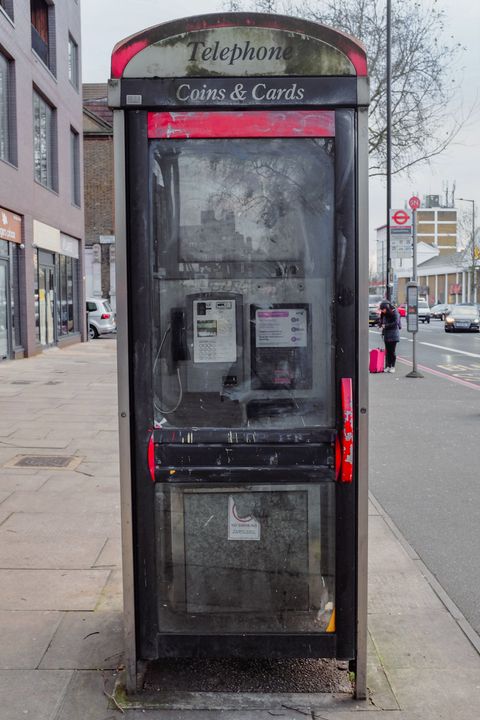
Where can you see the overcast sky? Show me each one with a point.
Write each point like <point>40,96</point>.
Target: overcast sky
<point>105,22</point>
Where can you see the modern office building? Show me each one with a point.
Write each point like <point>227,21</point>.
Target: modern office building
<point>42,297</point>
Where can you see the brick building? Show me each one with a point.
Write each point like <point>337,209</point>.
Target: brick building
<point>99,193</point>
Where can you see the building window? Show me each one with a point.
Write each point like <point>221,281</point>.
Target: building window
<point>66,296</point>
<point>43,31</point>
<point>7,7</point>
<point>44,145</point>
<point>7,110</point>
<point>73,61</point>
<point>75,166</point>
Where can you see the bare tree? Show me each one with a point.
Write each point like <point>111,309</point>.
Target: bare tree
<point>423,71</point>
<point>470,258</point>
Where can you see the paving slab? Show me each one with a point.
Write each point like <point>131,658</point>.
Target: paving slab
<point>25,637</point>
<point>11,480</point>
<point>440,694</point>
<point>111,597</point>
<point>80,483</point>
<point>59,526</point>
<point>85,698</point>
<point>51,589</point>
<point>397,592</point>
<point>35,694</point>
<point>62,503</point>
<point>111,555</point>
<point>421,639</point>
<point>383,548</point>
<point>86,641</point>
<point>27,551</point>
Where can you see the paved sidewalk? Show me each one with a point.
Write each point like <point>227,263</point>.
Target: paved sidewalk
<point>60,577</point>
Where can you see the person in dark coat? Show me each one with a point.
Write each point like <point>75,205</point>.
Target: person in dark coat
<point>390,322</point>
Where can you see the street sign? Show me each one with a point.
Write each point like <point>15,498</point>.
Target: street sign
<point>414,202</point>
<point>400,222</point>
<point>412,307</point>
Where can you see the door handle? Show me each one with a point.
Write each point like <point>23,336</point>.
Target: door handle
<point>346,434</point>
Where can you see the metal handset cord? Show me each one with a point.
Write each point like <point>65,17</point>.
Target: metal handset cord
<point>156,405</point>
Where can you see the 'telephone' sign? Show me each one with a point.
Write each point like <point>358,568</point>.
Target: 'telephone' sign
<point>400,222</point>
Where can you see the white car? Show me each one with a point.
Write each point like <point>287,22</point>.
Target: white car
<point>101,318</point>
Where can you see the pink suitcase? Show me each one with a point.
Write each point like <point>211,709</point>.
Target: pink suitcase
<point>377,360</point>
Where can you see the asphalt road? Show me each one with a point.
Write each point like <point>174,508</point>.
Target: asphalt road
<point>425,456</point>
<point>455,354</point>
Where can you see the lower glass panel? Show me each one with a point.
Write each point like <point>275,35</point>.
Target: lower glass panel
<point>245,558</point>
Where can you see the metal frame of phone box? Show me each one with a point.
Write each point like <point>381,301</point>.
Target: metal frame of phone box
<point>346,99</point>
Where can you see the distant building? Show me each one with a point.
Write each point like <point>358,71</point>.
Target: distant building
<point>437,225</point>
<point>41,180</point>
<point>99,193</point>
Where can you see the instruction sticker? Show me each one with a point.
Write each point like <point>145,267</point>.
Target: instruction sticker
<point>282,328</point>
<point>241,528</point>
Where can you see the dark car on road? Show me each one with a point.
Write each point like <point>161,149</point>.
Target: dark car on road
<point>463,317</point>
<point>440,311</point>
<point>374,309</point>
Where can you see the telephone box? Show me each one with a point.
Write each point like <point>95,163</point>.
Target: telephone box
<point>242,259</point>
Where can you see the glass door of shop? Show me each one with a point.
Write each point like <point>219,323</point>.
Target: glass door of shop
<point>46,298</point>
<point>5,346</point>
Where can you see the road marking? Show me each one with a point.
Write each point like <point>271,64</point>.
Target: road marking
<point>443,375</point>
<point>451,350</point>
<point>440,347</point>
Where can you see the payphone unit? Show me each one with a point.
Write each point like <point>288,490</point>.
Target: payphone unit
<point>240,144</point>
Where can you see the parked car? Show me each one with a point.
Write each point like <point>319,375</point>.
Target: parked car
<point>463,317</point>
<point>101,318</point>
<point>440,311</point>
<point>424,313</point>
<point>374,309</point>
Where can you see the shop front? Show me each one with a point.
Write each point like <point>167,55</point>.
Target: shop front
<point>10,242</point>
<point>56,282</point>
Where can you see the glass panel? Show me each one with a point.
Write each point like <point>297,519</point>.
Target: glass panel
<point>245,558</point>
<point>43,135</point>
<point>42,306</point>
<point>72,61</point>
<point>50,305</point>
<point>3,310</point>
<point>243,290</point>
<point>15,299</point>
<point>4,124</point>
<point>75,167</point>
<point>70,321</point>
<point>36,295</point>
<point>63,295</point>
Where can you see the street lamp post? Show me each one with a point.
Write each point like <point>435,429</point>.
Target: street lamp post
<point>473,251</point>
<point>389,145</point>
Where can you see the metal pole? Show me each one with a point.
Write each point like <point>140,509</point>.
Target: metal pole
<point>414,373</point>
<point>389,144</point>
<point>474,264</point>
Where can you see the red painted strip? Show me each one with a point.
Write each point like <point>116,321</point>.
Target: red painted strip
<point>123,53</point>
<point>338,457</point>
<point>439,373</point>
<point>346,470</point>
<point>256,123</point>
<point>151,456</point>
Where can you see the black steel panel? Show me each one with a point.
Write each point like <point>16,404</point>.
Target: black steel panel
<point>244,92</point>
<point>242,436</point>
<point>271,456</point>
<point>246,646</point>
<point>346,366</point>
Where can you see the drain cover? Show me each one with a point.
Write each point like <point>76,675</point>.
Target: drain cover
<point>45,461</point>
